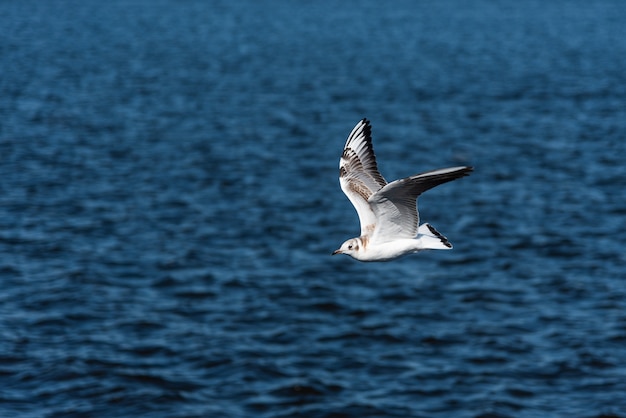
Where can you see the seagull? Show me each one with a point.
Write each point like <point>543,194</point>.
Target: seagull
<point>387,211</point>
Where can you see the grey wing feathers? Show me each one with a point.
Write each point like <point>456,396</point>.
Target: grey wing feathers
<point>395,205</point>
<point>419,183</point>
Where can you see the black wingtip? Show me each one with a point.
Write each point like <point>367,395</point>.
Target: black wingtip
<point>467,170</point>
<point>367,126</point>
<point>363,127</point>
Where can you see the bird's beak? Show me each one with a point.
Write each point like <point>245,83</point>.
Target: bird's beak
<point>336,252</point>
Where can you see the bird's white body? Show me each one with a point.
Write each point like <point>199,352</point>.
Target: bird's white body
<point>366,251</point>
<point>387,211</point>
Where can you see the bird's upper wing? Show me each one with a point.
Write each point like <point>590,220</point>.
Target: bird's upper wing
<point>395,205</point>
<point>358,174</point>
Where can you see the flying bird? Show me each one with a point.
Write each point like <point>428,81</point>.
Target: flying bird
<point>387,211</point>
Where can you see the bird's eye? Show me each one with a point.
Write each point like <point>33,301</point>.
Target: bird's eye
<point>350,246</point>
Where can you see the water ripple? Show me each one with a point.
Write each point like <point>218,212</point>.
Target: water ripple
<point>169,203</point>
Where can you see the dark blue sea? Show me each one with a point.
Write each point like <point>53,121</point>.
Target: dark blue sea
<point>169,200</point>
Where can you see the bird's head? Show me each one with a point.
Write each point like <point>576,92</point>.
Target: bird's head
<point>350,247</point>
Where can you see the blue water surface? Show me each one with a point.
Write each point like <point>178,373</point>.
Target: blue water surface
<point>169,200</point>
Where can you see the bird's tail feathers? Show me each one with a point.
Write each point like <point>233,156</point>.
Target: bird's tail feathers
<point>433,239</point>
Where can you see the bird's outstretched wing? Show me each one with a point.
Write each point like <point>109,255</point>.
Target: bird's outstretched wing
<point>358,174</point>
<point>395,205</point>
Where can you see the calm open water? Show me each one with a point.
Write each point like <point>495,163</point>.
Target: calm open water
<point>169,201</point>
